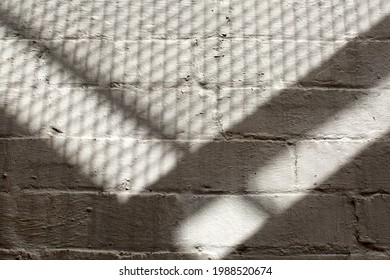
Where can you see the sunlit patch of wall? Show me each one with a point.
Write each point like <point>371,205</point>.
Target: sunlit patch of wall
<point>220,102</point>
<point>105,89</point>
<point>343,122</point>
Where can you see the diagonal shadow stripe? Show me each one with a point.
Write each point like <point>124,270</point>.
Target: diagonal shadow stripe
<point>61,56</point>
<point>310,103</point>
<point>254,123</point>
<point>355,228</point>
<point>314,107</point>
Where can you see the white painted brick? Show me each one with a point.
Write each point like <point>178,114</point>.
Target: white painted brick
<point>375,163</point>
<point>194,129</point>
<point>343,165</point>
<point>123,19</point>
<point>374,225</point>
<point>34,163</point>
<point>186,112</point>
<point>327,164</point>
<point>233,166</point>
<point>147,63</point>
<point>100,164</point>
<point>313,19</point>
<point>253,62</point>
<point>319,222</point>
<point>136,165</point>
<point>316,220</point>
<point>300,113</point>
<point>100,222</point>
<point>94,222</point>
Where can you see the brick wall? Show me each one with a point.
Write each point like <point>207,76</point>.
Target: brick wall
<point>194,129</point>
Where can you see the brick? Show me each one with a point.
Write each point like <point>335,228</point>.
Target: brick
<point>8,235</point>
<point>299,113</point>
<point>290,19</point>
<point>72,163</point>
<point>357,64</point>
<point>175,113</point>
<point>139,164</point>
<point>311,19</point>
<point>251,62</point>
<point>232,167</point>
<point>329,165</point>
<point>123,20</point>
<point>94,221</point>
<point>149,63</point>
<point>375,161</point>
<point>323,222</point>
<point>317,223</point>
<point>149,222</point>
<point>344,165</point>
<point>373,226</point>
<point>35,163</point>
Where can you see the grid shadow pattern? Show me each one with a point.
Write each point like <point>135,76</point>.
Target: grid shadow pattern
<point>165,107</point>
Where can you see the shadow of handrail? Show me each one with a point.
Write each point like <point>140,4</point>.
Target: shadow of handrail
<point>201,174</point>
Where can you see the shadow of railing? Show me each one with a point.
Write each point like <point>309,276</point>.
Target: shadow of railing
<point>168,165</point>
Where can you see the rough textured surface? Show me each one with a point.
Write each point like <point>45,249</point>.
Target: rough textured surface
<point>374,225</point>
<point>194,129</point>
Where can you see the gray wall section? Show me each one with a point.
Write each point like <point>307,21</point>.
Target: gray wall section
<point>194,129</point>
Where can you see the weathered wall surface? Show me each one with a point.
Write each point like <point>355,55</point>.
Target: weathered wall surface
<point>194,129</point>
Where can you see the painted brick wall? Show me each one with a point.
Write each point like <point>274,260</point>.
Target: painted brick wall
<point>194,129</point>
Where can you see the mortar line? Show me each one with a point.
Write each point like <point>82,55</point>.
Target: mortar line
<point>211,37</point>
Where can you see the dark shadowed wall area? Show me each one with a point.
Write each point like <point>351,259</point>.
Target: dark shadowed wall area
<point>220,129</point>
